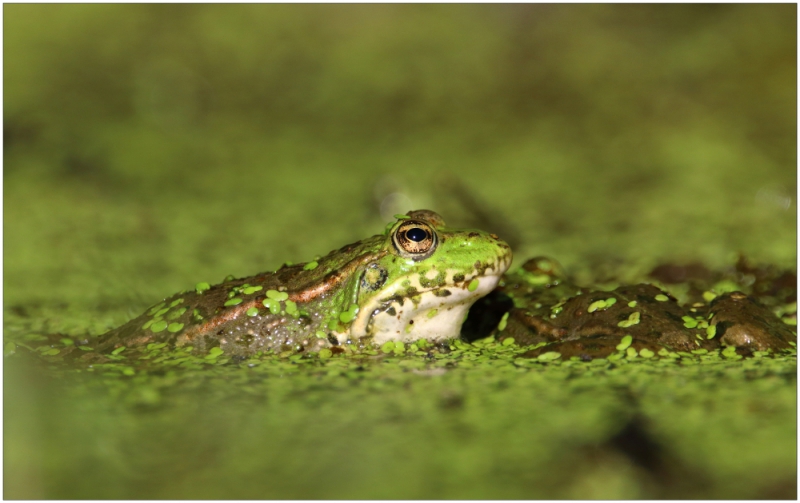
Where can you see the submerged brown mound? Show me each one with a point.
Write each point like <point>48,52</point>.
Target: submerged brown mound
<point>591,323</point>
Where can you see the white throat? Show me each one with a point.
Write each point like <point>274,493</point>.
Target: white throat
<point>433,317</point>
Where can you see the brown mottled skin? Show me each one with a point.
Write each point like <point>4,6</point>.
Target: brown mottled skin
<point>739,319</point>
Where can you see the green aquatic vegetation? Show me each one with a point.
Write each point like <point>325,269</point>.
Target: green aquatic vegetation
<point>276,295</point>
<point>158,326</point>
<point>633,319</point>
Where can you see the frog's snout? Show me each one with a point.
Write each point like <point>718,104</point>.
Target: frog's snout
<point>504,253</point>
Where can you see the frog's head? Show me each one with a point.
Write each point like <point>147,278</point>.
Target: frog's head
<point>427,279</point>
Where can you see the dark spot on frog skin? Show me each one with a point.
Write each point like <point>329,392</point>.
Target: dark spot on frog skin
<point>443,292</point>
<point>391,311</point>
<point>458,278</point>
<point>373,278</point>
<point>333,340</point>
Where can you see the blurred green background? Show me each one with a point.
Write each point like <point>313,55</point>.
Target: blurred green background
<point>149,147</point>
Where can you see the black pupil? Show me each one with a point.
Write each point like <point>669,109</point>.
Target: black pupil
<point>417,234</point>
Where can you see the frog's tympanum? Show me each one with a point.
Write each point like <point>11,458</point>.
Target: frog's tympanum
<point>417,280</point>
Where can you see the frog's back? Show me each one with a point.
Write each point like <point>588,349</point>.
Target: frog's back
<point>268,311</point>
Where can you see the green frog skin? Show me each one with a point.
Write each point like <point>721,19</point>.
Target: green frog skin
<point>417,280</point>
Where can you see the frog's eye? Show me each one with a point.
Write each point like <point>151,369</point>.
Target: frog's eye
<point>415,239</point>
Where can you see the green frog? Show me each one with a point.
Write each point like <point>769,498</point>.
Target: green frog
<point>417,280</point>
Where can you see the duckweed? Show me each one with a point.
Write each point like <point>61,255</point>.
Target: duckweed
<point>594,306</point>
<point>349,315</point>
<point>473,285</point>
<point>273,305</point>
<point>177,313</point>
<point>175,327</point>
<point>689,322</point>
<point>311,266</point>
<point>252,289</point>
<point>633,319</point>
<point>276,295</point>
<point>661,297</point>
<point>601,305</point>
<point>503,322</point>
<point>156,308</point>
<point>625,342</point>
<point>158,326</point>
<point>548,356</point>
<point>233,302</point>
<point>213,353</point>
